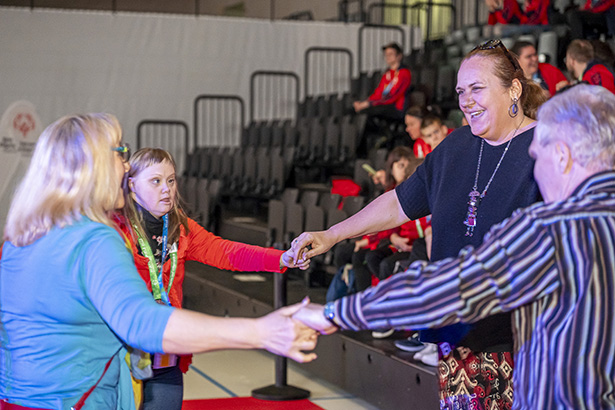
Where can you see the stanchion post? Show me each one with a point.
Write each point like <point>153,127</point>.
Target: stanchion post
<point>280,390</point>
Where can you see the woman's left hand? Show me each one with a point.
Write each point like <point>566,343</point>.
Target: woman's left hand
<point>289,260</point>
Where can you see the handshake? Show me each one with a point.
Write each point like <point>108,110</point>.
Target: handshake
<point>294,329</point>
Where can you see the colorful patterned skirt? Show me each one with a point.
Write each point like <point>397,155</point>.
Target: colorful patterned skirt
<point>476,380</point>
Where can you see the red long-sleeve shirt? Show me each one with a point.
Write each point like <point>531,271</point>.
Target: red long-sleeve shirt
<point>400,82</point>
<point>536,12</point>
<point>551,76</point>
<point>203,246</point>
<point>509,14</point>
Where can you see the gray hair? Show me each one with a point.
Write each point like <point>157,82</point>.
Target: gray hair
<point>584,118</point>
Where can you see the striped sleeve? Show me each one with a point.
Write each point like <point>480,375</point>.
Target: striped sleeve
<point>514,266</point>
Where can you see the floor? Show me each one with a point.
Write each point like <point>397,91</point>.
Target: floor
<point>237,373</point>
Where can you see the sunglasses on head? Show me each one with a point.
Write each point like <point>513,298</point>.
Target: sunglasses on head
<point>124,150</point>
<point>491,44</point>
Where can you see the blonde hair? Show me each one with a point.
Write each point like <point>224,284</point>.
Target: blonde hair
<point>142,159</point>
<point>72,173</point>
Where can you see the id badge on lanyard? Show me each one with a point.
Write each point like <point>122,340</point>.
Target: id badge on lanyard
<point>161,295</point>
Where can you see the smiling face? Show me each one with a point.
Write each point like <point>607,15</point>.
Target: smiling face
<point>155,188</point>
<point>483,100</point>
<point>528,60</point>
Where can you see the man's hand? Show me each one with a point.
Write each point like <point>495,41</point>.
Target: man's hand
<point>283,335</point>
<point>313,316</point>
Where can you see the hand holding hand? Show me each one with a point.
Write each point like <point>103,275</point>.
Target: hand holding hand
<point>289,260</point>
<point>281,334</point>
<point>313,316</point>
<point>320,242</point>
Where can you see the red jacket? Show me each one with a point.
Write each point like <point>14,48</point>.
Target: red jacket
<point>509,14</point>
<point>536,12</point>
<point>205,247</point>
<point>598,74</point>
<point>551,75</point>
<point>400,82</point>
<point>421,148</point>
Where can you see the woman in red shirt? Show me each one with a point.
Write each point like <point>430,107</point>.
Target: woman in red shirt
<point>159,233</point>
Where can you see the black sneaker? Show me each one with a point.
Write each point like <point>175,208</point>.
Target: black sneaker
<point>412,344</point>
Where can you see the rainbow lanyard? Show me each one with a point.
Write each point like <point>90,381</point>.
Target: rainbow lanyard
<point>155,274</point>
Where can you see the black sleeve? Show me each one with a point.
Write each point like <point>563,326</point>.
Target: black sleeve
<point>413,193</point>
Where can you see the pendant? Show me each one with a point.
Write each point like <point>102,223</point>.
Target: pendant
<point>470,221</point>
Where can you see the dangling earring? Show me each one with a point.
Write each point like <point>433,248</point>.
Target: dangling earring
<point>513,110</point>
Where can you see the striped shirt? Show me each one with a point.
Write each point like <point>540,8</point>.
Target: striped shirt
<point>553,266</point>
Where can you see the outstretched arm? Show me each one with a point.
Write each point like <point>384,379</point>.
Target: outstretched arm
<point>384,212</point>
<point>277,332</point>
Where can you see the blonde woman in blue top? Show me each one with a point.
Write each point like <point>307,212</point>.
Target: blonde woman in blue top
<point>70,297</point>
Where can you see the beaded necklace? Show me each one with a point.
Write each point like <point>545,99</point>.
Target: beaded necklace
<point>475,195</point>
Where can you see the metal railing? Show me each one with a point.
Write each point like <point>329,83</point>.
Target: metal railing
<point>274,95</point>
<point>170,135</point>
<point>328,70</point>
<point>219,120</point>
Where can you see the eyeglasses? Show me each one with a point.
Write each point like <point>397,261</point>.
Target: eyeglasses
<point>491,44</point>
<point>124,150</point>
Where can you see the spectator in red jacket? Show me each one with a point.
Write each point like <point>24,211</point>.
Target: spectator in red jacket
<point>596,16</point>
<point>545,75</point>
<point>161,235</point>
<point>413,119</point>
<point>535,12</point>
<point>582,66</point>
<point>504,12</point>
<point>389,98</point>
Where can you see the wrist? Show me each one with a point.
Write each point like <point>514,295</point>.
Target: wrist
<point>330,314</point>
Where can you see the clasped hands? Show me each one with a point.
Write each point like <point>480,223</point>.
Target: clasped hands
<point>294,329</point>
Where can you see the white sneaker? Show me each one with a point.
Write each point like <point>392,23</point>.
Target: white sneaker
<point>430,349</point>
<point>431,358</point>
<point>382,334</point>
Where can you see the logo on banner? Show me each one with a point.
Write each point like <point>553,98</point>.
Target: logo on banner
<point>20,128</point>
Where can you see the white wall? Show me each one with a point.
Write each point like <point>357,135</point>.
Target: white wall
<point>141,66</point>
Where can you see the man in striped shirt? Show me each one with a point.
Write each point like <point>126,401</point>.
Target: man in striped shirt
<point>552,265</point>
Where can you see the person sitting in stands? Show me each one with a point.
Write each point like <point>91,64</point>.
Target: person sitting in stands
<point>545,75</point>
<point>595,15</point>
<point>582,66</point>
<point>388,102</point>
<point>413,119</point>
<point>433,130</point>
<point>389,99</point>
<point>504,12</point>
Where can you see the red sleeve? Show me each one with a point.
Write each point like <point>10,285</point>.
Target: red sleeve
<point>377,94</point>
<point>207,248</point>
<point>552,75</point>
<point>536,12</point>
<point>398,91</point>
